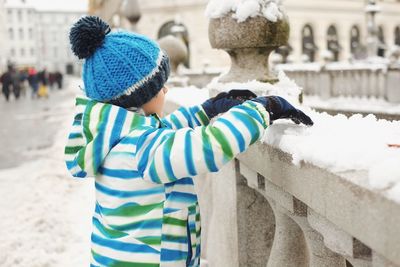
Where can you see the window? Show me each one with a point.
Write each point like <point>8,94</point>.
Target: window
<point>22,52</point>
<point>397,36</point>
<point>308,45</point>
<point>21,33</point>
<point>12,52</point>
<point>30,33</point>
<point>32,51</point>
<point>10,15</point>
<point>11,34</point>
<point>382,43</point>
<point>354,39</point>
<point>19,15</point>
<point>55,52</point>
<point>333,42</point>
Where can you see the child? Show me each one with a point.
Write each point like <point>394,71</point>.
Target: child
<point>147,212</point>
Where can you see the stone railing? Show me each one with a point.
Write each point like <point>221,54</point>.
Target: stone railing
<point>380,82</point>
<point>321,219</point>
<point>262,210</point>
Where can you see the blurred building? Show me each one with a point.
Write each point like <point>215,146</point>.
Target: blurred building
<point>39,38</point>
<point>3,36</point>
<point>22,34</point>
<point>319,28</point>
<point>54,47</point>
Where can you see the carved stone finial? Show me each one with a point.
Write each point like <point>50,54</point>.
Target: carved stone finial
<point>249,45</point>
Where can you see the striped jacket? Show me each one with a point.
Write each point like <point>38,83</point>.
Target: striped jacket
<point>146,211</point>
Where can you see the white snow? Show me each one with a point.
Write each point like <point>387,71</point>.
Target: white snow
<point>244,9</point>
<point>355,104</point>
<point>372,8</point>
<point>46,214</point>
<point>187,97</point>
<point>335,143</point>
<point>285,87</point>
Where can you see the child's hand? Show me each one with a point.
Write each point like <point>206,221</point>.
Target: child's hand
<point>279,108</point>
<point>224,101</point>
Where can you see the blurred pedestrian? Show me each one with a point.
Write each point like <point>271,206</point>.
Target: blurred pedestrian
<point>59,79</point>
<point>6,81</point>
<point>33,81</point>
<point>52,80</point>
<point>43,83</point>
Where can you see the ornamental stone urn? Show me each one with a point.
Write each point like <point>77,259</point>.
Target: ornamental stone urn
<point>249,45</point>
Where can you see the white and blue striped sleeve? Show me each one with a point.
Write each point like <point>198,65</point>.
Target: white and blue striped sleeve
<point>165,155</point>
<point>186,117</point>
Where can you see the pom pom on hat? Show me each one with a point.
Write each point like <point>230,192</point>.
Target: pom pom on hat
<point>86,35</point>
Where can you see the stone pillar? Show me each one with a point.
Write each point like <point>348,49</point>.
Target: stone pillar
<point>249,45</point>
<point>289,247</point>
<point>392,85</point>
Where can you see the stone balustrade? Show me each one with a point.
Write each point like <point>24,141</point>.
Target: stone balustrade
<point>261,209</point>
<point>380,83</point>
<point>321,218</point>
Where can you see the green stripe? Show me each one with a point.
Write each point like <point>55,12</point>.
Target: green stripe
<point>116,263</point>
<point>150,240</point>
<point>131,209</point>
<point>81,158</point>
<point>111,233</point>
<point>86,121</point>
<point>72,149</point>
<point>221,138</point>
<point>81,101</point>
<point>98,146</point>
<point>173,238</point>
<point>137,120</point>
<point>203,117</point>
<point>174,221</point>
<point>78,117</point>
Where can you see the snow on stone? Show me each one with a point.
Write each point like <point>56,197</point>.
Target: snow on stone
<point>285,87</point>
<point>187,97</point>
<point>355,104</point>
<point>335,143</point>
<point>46,214</point>
<point>244,9</point>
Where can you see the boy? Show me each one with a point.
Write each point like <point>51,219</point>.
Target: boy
<point>146,211</point>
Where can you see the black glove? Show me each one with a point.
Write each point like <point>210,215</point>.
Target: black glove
<point>279,108</point>
<point>224,101</point>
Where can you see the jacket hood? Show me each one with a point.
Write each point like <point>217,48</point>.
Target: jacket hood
<point>97,128</point>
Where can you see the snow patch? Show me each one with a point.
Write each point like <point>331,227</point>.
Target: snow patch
<point>244,9</point>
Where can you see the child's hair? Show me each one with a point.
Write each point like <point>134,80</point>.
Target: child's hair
<point>123,68</point>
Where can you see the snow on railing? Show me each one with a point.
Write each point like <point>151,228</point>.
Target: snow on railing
<point>327,195</point>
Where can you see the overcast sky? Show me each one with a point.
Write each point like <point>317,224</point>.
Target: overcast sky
<point>56,5</point>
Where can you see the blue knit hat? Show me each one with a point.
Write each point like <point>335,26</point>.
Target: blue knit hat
<point>123,68</point>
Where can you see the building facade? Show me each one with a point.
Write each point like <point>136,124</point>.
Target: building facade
<point>22,35</point>
<point>53,44</point>
<point>3,36</point>
<point>37,38</point>
<point>337,28</point>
